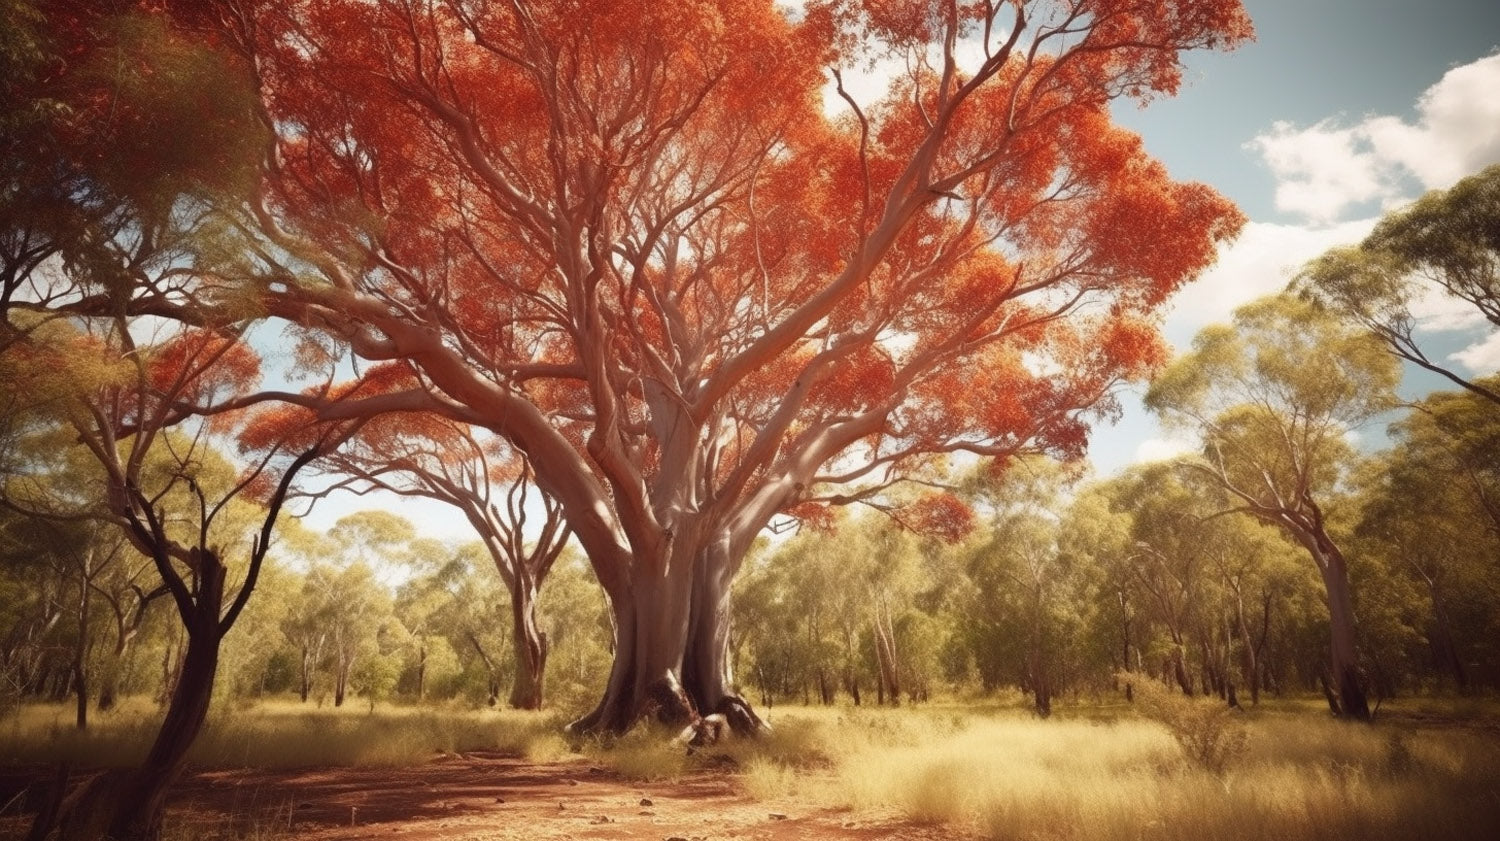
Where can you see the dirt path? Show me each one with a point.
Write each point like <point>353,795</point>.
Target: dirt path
<point>488,797</point>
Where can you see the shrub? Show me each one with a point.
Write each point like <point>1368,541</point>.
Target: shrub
<point>1210,732</point>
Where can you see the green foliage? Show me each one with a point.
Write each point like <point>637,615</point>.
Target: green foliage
<point>1444,244</point>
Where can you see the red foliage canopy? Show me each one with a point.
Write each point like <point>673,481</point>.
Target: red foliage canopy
<point>629,238</point>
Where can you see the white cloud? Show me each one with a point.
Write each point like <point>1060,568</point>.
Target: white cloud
<point>1324,169</point>
<point>1481,358</point>
<point>1259,263</point>
<point>1162,449</point>
<point>1436,311</point>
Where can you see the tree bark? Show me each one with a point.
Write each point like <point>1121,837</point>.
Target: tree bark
<point>1348,680</point>
<point>531,646</point>
<point>127,804</point>
<point>421,672</point>
<point>885,657</point>
<point>81,653</point>
<point>305,684</point>
<point>672,658</point>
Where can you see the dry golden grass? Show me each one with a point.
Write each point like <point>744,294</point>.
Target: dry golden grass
<point>281,734</point>
<point>1010,776</point>
<point>1428,769</point>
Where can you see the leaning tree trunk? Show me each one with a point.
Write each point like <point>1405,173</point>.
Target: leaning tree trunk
<point>127,804</point>
<point>531,646</point>
<point>1346,686</point>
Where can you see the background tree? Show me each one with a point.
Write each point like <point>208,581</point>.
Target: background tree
<point>598,237</point>
<point>1029,602</point>
<point>521,527</point>
<point>1274,399</point>
<point>77,357</point>
<point>1428,510</point>
<point>1444,245</point>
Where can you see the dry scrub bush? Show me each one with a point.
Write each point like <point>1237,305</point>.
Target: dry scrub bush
<point>1211,733</point>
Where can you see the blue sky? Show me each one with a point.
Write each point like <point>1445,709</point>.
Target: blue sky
<point>1340,110</point>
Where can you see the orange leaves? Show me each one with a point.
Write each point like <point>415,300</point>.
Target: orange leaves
<point>1133,348</point>
<point>196,363</point>
<point>277,425</point>
<point>814,515</point>
<point>859,381</point>
<point>939,515</point>
<point>603,208</point>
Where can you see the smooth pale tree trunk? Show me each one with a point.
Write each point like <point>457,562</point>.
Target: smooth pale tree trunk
<point>672,658</point>
<point>305,684</point>
<point>1346,687</point>
<point>889,687</point>
<point>341,680</point>
<point>1249,664</point>
<point>531,646</point>
<point>1349,682</point>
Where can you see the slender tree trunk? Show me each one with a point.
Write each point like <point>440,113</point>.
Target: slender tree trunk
<point>1348,679</point>
<point>305,687</point>
<point>109,681</point>
<point>81,653</point>
<point>490,669</point>
<point>341,679</point>
<point>1445,645</point>
<point>1179,667</point>
<point>531,646</point>
<point>889,687</point>
<point>1249,665</point>
<point>127,804</point>
<point>421,672</point>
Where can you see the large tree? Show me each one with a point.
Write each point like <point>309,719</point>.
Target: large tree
<point>630,239</point>
<point>1275,398</point>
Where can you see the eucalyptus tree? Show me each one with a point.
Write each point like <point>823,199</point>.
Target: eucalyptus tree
<point>635,245</point>
<point>1030,600</point>
<point>1445,245</point>
<point>1274,398</point>
<point>1429,506</point>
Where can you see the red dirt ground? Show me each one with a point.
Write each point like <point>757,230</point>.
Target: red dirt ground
<point>488,797</point>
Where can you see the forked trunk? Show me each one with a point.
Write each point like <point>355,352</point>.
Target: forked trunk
<point>671,658</point>
<point>531,647</point>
